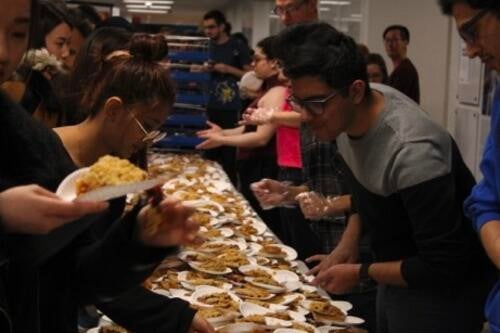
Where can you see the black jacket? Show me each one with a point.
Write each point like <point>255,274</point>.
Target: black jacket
<point>49,276</point>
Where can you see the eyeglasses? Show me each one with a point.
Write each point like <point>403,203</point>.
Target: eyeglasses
<point>280,11</point>
<point>392,41</point>
<point>209,27</point>
<point>314,106</point>
<point>468,30</point>
<point>149,136</point>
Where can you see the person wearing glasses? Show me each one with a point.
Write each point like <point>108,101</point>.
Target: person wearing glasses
<point>123,119</point>
<point>408,183</point>
<point>296,11</point>
<point>404,76</point>
<point>478,24</point>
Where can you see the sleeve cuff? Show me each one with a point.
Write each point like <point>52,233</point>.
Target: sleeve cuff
<point>482,219</point>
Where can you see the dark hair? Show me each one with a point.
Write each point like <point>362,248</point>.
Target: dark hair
<point>115,22</point>
<point>405,33</point>
<point>96,48</point>
<point>215,15</point>
<point>135,78</point>
<point>52,13</point>
<point>365,51</point>
<point>377,59</point>
<point>90,13</point>
<point>241,37</point>
<point>34,22</point>
<point>319,50</point>
<point>492,5</point>
<point>228,28</point>
<point>268,47</point>
<point>80,23</point>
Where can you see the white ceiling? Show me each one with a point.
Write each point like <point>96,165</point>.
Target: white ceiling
<point>183,11</point>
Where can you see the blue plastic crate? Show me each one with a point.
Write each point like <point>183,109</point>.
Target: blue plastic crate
<point>178,141</point>
<point>196,99</point>
<point>184,76</point>
<point>189,56</point>
<point>186,120</point>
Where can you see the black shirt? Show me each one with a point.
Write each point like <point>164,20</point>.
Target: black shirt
<point>405,79</point>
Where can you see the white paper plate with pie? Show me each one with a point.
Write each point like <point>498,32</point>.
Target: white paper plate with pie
<point>67,189</point>
<point>214,297</point>
<point>278,251</point>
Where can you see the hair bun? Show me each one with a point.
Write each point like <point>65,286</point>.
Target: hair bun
<point>147,47</point>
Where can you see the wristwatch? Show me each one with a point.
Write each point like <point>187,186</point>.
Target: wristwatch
<point>364,276</point>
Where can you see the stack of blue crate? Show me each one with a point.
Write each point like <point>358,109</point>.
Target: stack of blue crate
<point>189,114</point>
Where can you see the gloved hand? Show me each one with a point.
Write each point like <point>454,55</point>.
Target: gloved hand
<point>271,193</point>
<point>315,206</point>
<point>259,116</point>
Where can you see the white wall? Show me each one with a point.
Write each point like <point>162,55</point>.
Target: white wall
<point>428,49</point>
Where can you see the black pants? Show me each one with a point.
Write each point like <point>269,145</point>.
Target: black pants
<point>225,156</point>
<point>431,311</point>
<point>251,170</point>
<point>297,232</point>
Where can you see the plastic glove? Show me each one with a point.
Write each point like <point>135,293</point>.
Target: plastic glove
<point>271,193</point>
<point>315,206</point>
<point>259,116</point>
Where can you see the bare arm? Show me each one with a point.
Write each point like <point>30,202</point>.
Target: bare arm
<point>259,138</point>
<point>290,119</point>
<point>233,131</point>
<point>490,237</point>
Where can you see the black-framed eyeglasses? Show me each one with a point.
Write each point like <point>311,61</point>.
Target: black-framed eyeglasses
<point>468,30</point>
<point>149,136</point>
<point>280,11</point>
<point>314,106</point>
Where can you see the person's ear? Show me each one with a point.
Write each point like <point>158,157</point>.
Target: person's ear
<point>274,64</point>
<point>114,108</point>
<point>357,91</point>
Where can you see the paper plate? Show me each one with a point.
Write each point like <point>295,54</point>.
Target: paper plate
<point>290,253</point>
<point>250,81</point>
<point>328,329</point>
<point>207,290</point>
<point>67,188</point>
<point>195,265</point>
<point>242,328</point>
<point>268,287</point>
<point>247,268</point>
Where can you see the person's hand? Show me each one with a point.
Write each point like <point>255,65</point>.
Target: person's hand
<point>200,325</point>
<point>32,209</point>
<point>168,224</point>
<point>340,255</point>
<point>314,206</point>
<point>270,193</point>
<point>259,116</point>
<point>212,128</point>
<point>212,140</point>
<point>338,279</point>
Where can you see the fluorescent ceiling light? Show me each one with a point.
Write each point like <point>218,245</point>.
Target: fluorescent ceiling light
<point>324,9</point>
<point>147,11</point>
<point>148,7</point>
<point>164,2</point>
<point>335,3</point>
